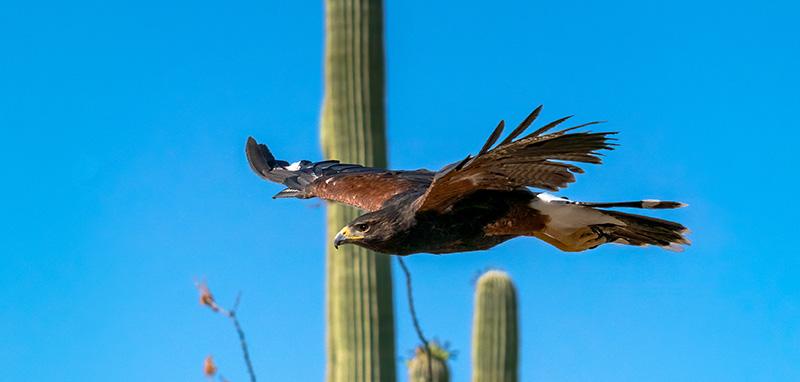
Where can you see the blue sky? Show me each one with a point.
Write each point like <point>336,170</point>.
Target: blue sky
<point>124,181</point>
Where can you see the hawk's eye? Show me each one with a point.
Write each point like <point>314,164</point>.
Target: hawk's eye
<point>363,227</point>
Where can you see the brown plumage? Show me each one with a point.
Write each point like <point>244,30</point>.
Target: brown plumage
<point>478,202</point>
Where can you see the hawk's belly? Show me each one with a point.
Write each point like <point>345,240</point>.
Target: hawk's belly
<point>479,222</point>
<point>469,229</point>
<point>446,238</point>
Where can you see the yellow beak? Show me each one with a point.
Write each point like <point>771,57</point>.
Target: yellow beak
<point>345,236</point>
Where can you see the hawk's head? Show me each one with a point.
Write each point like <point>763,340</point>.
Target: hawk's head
<point>372,230</point>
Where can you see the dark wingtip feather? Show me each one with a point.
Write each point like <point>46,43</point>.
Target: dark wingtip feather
<point>493,138</point>
<point>548,126</point>
<point>523,125</point>
<point>287,193</point>
<point>461,164</point>
<point>581,125</point>
<point>258,156</point>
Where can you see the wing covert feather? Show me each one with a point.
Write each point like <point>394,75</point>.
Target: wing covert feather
<point>535,160</point>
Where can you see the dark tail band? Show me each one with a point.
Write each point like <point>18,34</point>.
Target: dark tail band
<point>646,204</point>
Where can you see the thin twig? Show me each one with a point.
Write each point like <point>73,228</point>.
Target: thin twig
<point>236,302</point>
<point>413,311</point>
<point>232,315</point>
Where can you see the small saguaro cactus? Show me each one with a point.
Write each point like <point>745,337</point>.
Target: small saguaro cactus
<point>418,370</point>
<point>495,333</point>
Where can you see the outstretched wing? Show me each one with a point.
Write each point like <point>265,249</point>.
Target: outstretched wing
<point>366,188</point>
<point>535,160</point>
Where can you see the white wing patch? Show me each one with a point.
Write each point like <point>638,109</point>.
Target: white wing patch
<point>294,166</point>
<point>545,197</point>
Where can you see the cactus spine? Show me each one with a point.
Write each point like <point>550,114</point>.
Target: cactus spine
<point>418,366</point>
<point>495,336</point>
<point>360,327</point>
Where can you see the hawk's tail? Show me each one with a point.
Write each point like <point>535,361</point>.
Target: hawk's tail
<point>578,226</point>
<point>642,230</point>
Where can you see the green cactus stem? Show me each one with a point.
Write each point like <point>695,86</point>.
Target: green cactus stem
<point>360,326</point>
<point>495,333</point>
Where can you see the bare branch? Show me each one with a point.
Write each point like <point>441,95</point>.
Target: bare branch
<point>414,319</point>
<point>207,299</point>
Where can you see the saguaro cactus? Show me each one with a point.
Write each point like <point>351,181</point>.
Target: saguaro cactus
<point>495,335</point>
<point>360,330</point>
<point>418,366</point>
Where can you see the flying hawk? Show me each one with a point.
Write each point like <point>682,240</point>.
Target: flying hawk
<point>478,202</point>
